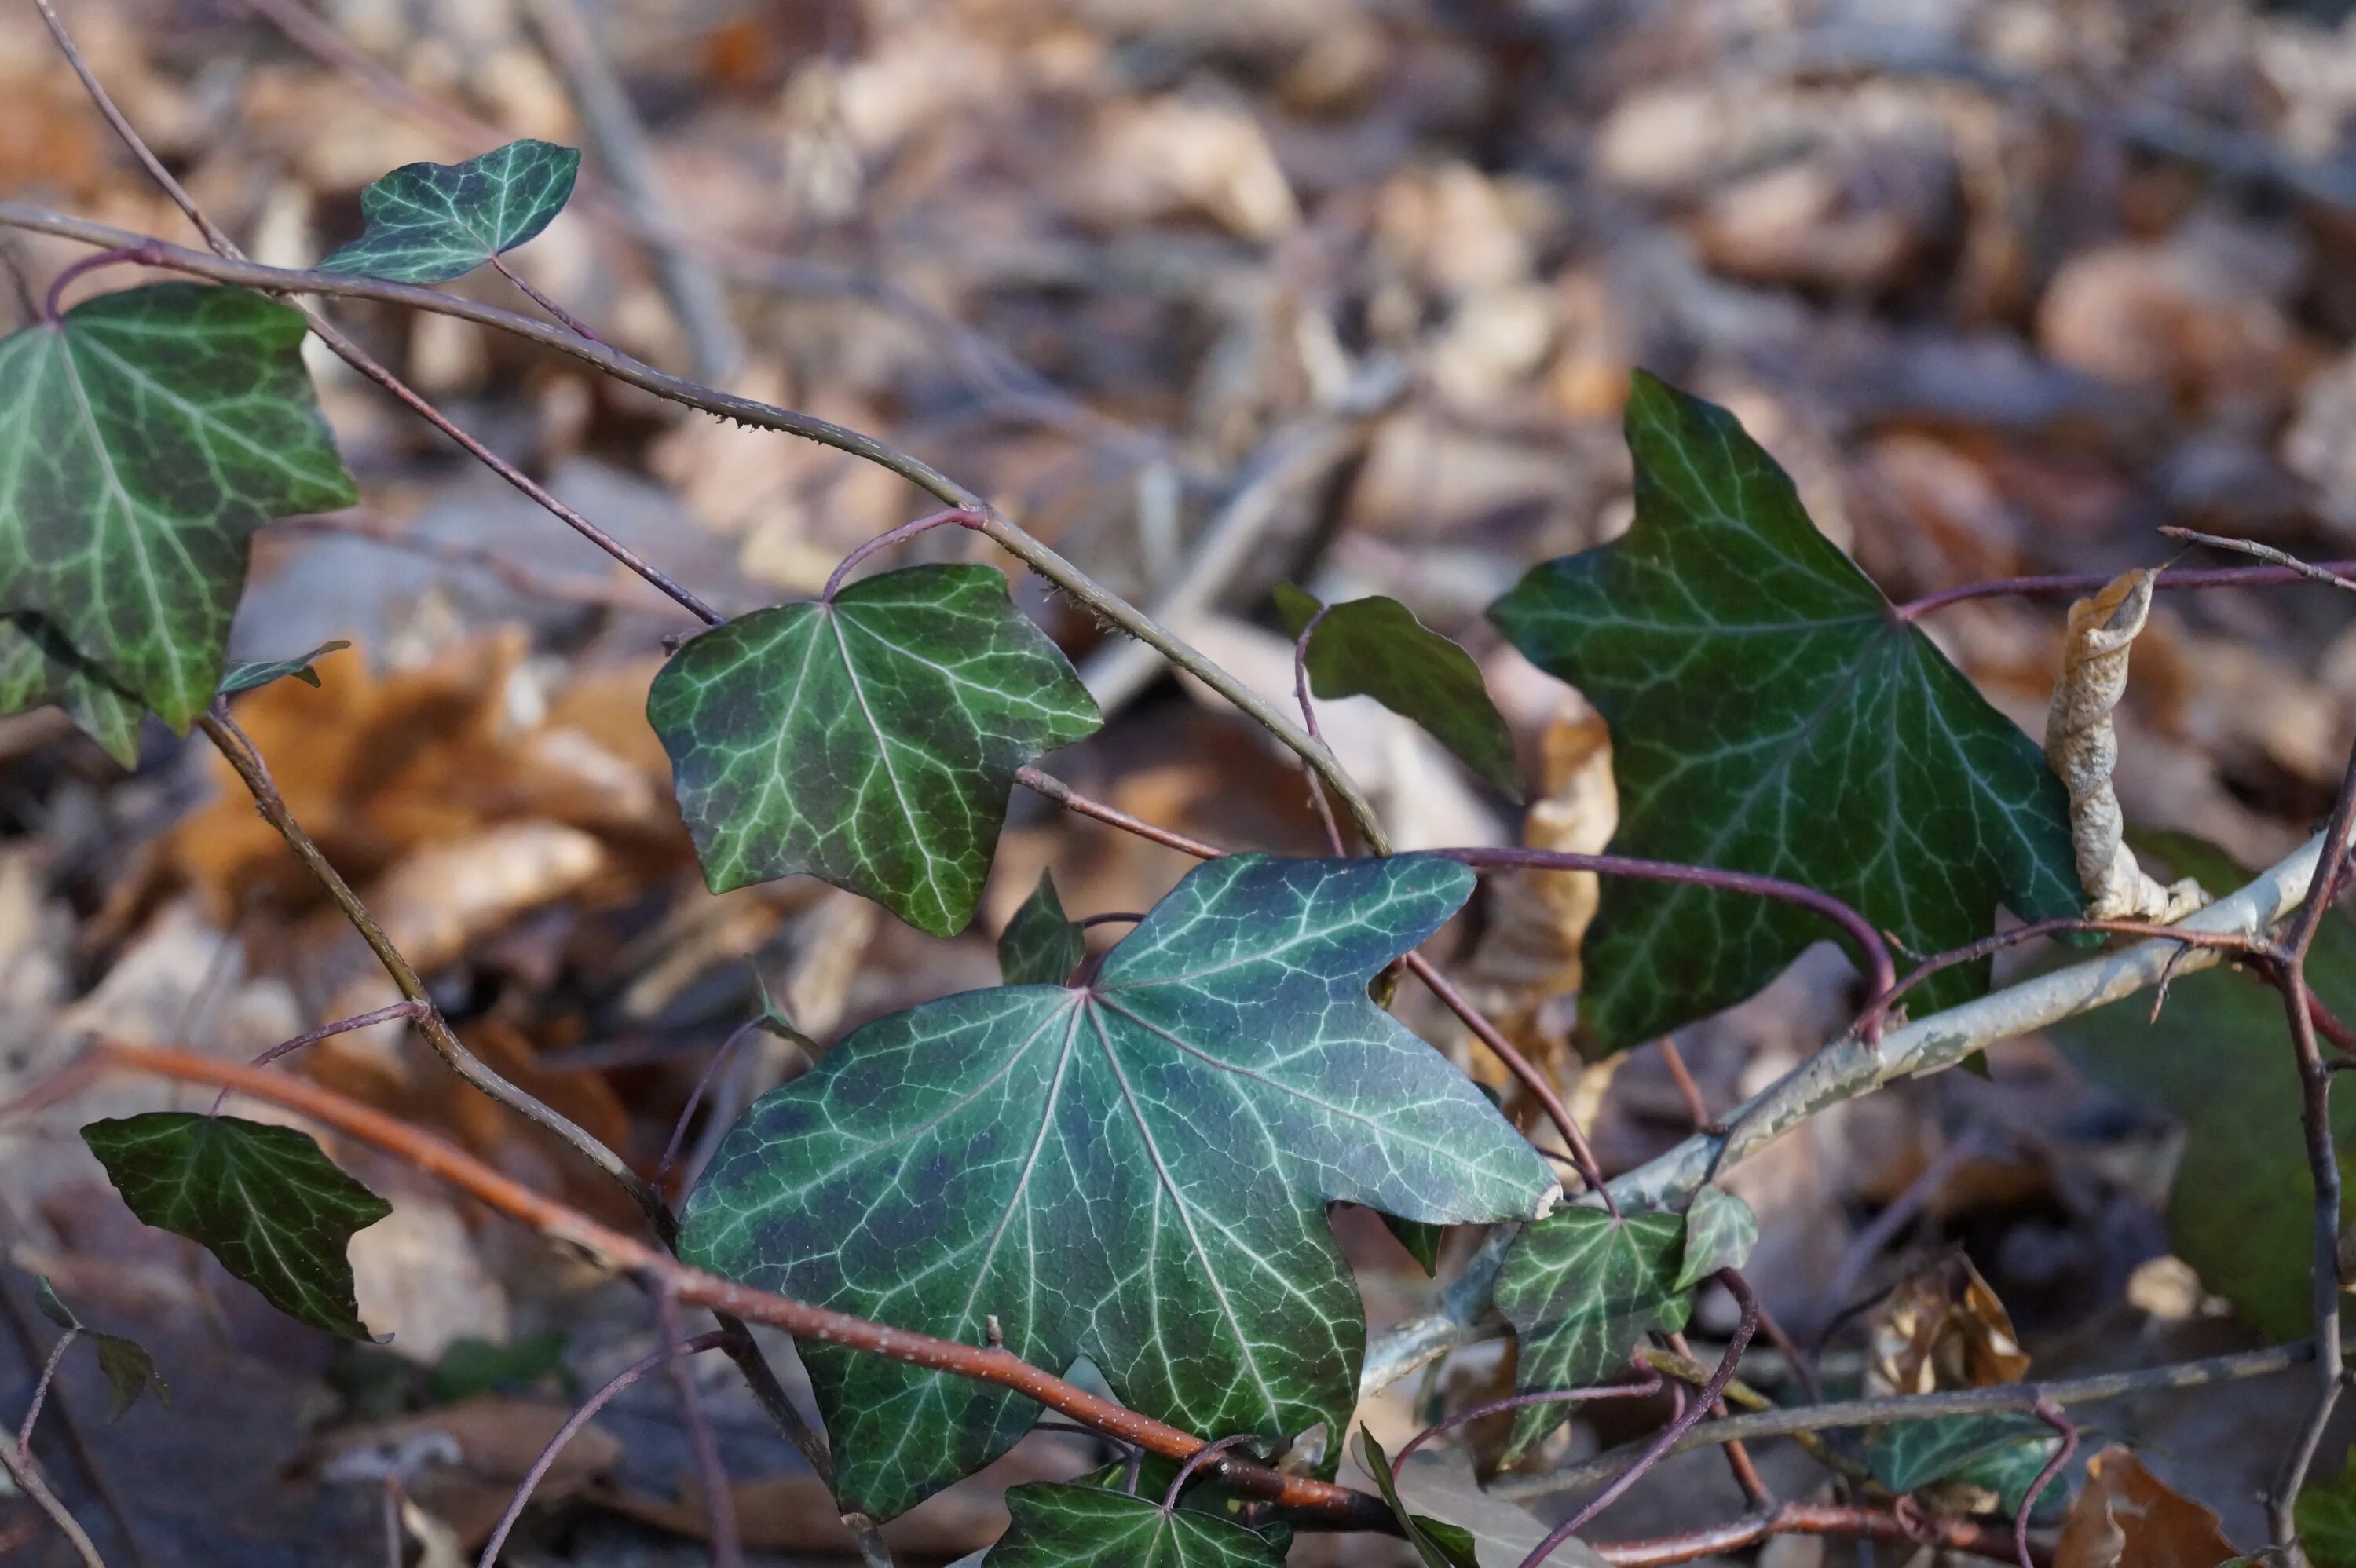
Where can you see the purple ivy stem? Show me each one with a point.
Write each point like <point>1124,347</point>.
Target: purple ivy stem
<point>960,517</point>
<point>695,1098</point>
<point>1308,723</point>
<point>2093,582</point>
<point>545,303</point>
<point>719,1502</point>
<point>1195,1461</point>
<point>52,302</point>
<point>407,1008</point>
<point>1667,1439</point>
<point>2049,1413</point>
<point>1882,970</point>
<point>2257,946</point>
<point>580,1418</point>
<point>41,1392</point>
<point>1650,1385</point>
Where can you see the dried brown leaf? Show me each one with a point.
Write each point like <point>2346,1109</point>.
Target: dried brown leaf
<point>1943,1329</point>
<point>2129,1518</point>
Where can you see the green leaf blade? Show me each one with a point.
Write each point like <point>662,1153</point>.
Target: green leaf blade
<point>872,743</point>
<point>39,668</point>
<point>427,223</point>
<point>1041,946</point>
<point>1436,1545</point>
<point>1720,1230</point>
<point>246,677</point>
<point>263,1200</point>
<point>1141,1167</point>
<point>129,1370</point>
<point>2001,1453</point>
<point>1581,1288</point>
<point>142,439</point>
<point>1376,647</point>
<point>1072,1526</point>
<point>1771,713</point>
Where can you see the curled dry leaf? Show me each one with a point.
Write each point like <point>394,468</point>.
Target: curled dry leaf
<point>1943,1329</point>
<point>2129,1518</point>
<point>2083,750</point>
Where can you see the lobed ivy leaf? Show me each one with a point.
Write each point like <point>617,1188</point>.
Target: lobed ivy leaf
<point>39,668</point>
<point>1770,713</point>
<point>872,741</point>
<point>1720,1230</point>
<point>1581,1288</point>
<point>2001,1454</point>
<point>263,1200</point>
<point>1376,647</point>
<point>1436,1545</point>
<point>427,223</point>
<point>129,1370</point>
<point>247,675</point>
<point>144,437</point>
<point>1041,946</point>
<point>1134,1169</point>
<point>1072,1526</point>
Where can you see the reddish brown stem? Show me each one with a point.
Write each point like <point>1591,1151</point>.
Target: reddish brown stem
<point>2030,931</point>
<point>958,516</point>
<point>2051,1415</point>
<point>1806,1519</point>
<point>543,301</point>
<point>52,302</point>
<point>2093,582</point>
<point>407,1008</point>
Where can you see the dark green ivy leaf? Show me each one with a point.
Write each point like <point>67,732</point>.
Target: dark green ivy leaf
<point>39,668</point>
<point>246,677</point>
<point>1135,1170</point>
<point>2326,1514</point>
<point>1436,1545</point>
<point>872,741</point>
<point>130,1371</point>
<point>2001,1454</point>
<point>1041,946</point>
<point>142,439</point>
<point>1068,1526</point>
<point>263,1200</point>
<point>1581,1288</point>
<point>472,1366</point>
<point>1376,647</point>
<point>1771,713</point>
<point>1720,1230</point>
<point>427,223</point>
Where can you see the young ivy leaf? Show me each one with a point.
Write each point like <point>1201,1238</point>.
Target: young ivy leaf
<point>263,1200</point>
<point>1376,647</point>
<point>1720,1232</point>
<point>872,741</point>
<point>130,1371</point>
<point>1770,713</point>
<point>1434,1543</point>
<point>1135,1170</point>
<point>1581,1288</point>
<point>1072,1526</point>
<point>1040,946</point>
<point>144,437</point>
<point>39,668</point>
<point>2001,1454</point>
<point>246,677</point>
<point>427,223</point>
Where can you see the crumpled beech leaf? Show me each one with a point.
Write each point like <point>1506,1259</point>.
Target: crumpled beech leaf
<point>427,223</point>
<point>871,741</point>
<point>263,1199</point>
<point>1581,1288</point>
<point>1376,647</point>
<point>144,437</point>
<point>1134,1169</point>
<point>129,1370</point>
<point>1771,713</point>
<point>2083,749</point>
<point>1073,1526</point>
<point>1040,945</point>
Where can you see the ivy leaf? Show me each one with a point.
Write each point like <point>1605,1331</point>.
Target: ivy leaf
<point>39,668</point>
<point>1580,1289</point>
<point>426,223</point>
<point>1771,713</point>
<point>1421,1241</point>
<point>1376,647</point>
<point>130,1371</point>
<point>263,1200</point>
<point>1135,1170</point>
<point>1040,946</point>
<point>2218,1060</point>
<point>2326,1514</point>
<point>472,1366</point>
<point>1072,1526</point>
<point>1435,1545</point>
<point>2001,1454</point>
<point>1720,1232</point>
<point>872,741</point>
<point>143,438</point>
<point>246,677</point>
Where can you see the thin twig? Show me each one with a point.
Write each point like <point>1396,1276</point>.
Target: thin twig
<point>2051,1414</point>
<point>960,516</point>
<point>41,1392</point>
<point>719,1501</point>
<point>28,1477</point>
<point>523,286</point>
<point>1196,1460</point>
<point>1805,1519</point>
<point>407,1008</point>
<point>1650,1384</point>
<point>2077,584</point>
<point>1308,723</point>
<point>2264,552</point>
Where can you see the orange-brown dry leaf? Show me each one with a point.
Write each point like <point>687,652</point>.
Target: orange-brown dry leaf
<point>2082,748</point>
<point>1943,1329</point>
<point>1528,960</point>
<point>2129,1518</point>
